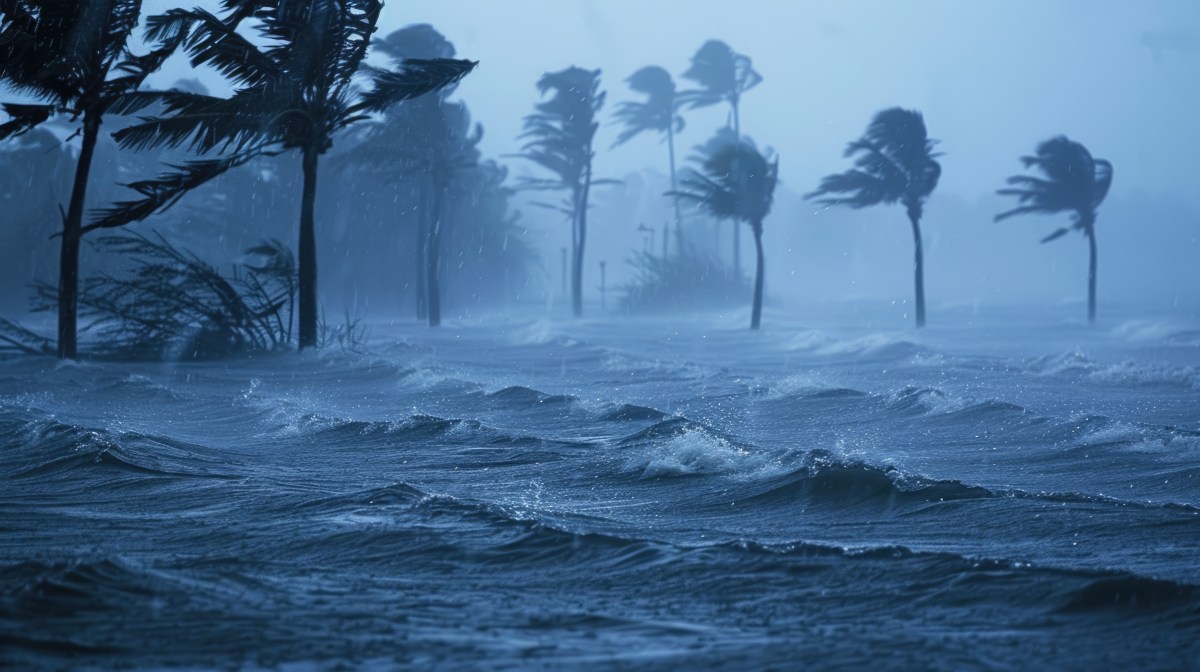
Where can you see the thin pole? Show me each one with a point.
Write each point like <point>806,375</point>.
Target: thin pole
<point>603,302</point>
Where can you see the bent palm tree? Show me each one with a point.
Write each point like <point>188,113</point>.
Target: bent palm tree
<point>72,55</point>
<point>294,93</point>
<point>723,75</point>
<point>658,112</point>
<point>561,135</point>
<point>418,123</point>
<point>895,163</point>
<point>454,148</point>
<point>1074,181</point>
<point>737,182</point>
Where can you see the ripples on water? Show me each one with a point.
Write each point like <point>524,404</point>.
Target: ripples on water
<point>536,494</point>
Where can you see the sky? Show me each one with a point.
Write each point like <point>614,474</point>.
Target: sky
<point>992,78</point>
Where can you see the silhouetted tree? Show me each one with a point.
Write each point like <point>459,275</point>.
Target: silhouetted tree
<point>294,93</point>
<point>560,135</point>
<point>455,150</point>
<point>659,112</point>
<point>895,163</point>
<point>419,121</point>
<point>723,76</point>
<point>72,56</point>
<point>737,182</point>
<point>1075,182</point>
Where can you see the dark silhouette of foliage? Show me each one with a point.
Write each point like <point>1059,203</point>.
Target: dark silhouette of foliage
<point>173,305</point>
<point>659,113</point>
<point>294,93</point>
<point>1074,182</point>
<point>72,57</point>
<point>439,143</point>
<point>722,76</point>
<point>418,121</point>
<point>736,181</point>
<point>894,163</point>
<point>560,138</point>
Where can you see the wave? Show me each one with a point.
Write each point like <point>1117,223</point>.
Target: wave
<point>53,450</point>
<point>1078,366</point>
<point>1129,592</point>
<point>681,447</point>
<point>519,396</point>
<point>880,345</point>
<point>446,532</point>
<point>631,413</point>
<point>826,481</point>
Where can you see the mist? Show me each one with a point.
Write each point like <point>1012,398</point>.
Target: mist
<point>549,334</point>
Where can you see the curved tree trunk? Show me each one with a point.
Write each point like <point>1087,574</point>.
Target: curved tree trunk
<point>72,233</point>
<point>756,311</point>
<point>675,188</point>
<point>914,217</point>
<point>308,253</point>
<point>1091,236</point>
<point>433,254</point>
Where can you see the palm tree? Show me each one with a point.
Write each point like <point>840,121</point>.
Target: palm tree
<point>737,182</point>
<point>455,150</point>
<point>1074,182</point>
<point>421,120</point>
<point>658,112</point>
<point>561,136</point>
<point>723,76</point>
<point>895,163</point>
<point>72,57</point>
<point>294,93</point>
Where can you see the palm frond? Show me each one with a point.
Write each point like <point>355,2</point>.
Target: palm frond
<point>162,192</point>
<point>24,118</point>
<point>1071,181</point>
<point>416,78</point>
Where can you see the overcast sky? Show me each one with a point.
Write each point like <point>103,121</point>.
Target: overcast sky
<point>993,78</point>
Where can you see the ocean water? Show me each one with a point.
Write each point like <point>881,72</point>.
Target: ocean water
<point>1002,491</point>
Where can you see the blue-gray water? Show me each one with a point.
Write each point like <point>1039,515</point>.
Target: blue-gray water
<point>1001,491</point>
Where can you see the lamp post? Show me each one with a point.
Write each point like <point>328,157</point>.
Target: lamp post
<point>602,285</point>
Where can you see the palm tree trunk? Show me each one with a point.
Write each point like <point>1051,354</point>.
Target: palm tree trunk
<point>433,255</point>
<point>1091,236</point>
<point>737,228</point>
<point>577,270</point>
<point>914,217</point>
<point>422,249</point>
<point>308,252</point>
<point>72,233</point>
<point>674,189</point>
<point>756,311</point>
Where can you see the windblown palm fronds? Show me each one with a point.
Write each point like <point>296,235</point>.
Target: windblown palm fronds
<point>560,137</point>
<point>736,181</point>
<point>658,112</point>
<point>894,162</point>
<point>295,92</point>
<point>72,57</point>
<point>1073,182</point>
